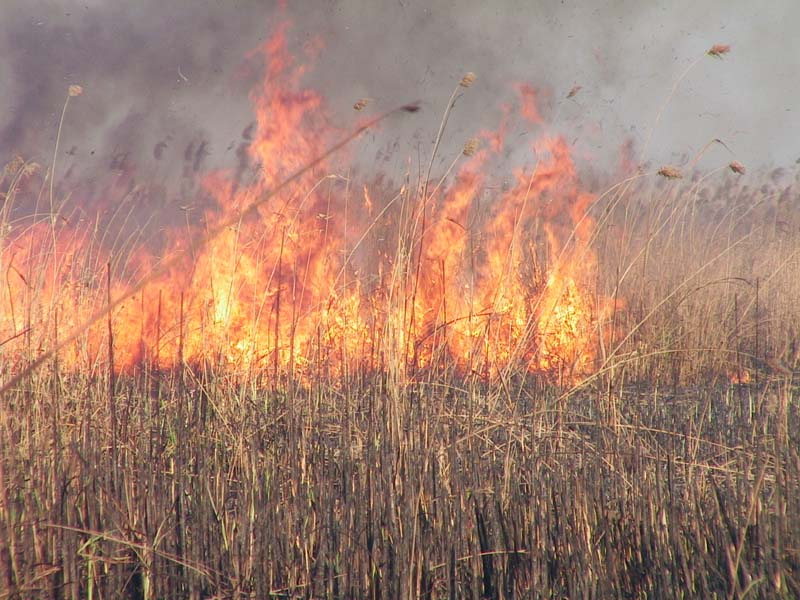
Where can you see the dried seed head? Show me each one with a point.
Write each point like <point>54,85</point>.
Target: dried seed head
<point>471,146</point>
<point>468,79</point>
<point>361,104</point>
<point>18,166</point>
<point>717,50</point>
<point>75,90</point>
<point>670,172</point>
<point>575,89</point>
<point>14,165</point>
<point>737,167</point>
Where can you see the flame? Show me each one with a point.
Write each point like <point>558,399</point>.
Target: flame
<point>471,278</point>
<point>739,377</point>
<point>530,109</point>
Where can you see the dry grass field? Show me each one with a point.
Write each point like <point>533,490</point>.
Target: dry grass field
<point>325,386</point>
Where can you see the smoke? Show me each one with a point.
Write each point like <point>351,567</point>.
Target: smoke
<point>165,88</point>
<point>154,78</point>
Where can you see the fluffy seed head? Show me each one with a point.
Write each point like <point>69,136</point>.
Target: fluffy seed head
<point>75,90</point>
<point>14,165</point>
<point>471,146</point>
<point>670,172</point>
<point>717,50</point>
<point>468,79</point>
<point>737,167</point>
<point>18,165</point>
<point>575,89</point>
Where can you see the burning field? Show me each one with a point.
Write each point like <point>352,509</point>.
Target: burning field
<point>496,373</point>
<point>330,271</point>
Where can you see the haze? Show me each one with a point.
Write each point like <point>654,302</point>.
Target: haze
<point>168,74</point>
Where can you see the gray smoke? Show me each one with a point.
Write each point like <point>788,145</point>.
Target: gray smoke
<point>165,90</point>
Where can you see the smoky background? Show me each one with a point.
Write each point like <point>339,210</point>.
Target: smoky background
<point>166,83</point>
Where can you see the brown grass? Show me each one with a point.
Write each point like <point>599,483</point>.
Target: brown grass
<point>656,474</point>
<point>654,477</point>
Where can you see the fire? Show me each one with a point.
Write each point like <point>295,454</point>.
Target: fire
<point>739,377</point>
<point>563,326</point>
<point>471,277</point>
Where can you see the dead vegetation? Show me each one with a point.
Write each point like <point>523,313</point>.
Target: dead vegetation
<point>652,477</point>
<point>669,469</point>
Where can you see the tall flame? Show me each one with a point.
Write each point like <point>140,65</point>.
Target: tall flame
<point>458,274</point>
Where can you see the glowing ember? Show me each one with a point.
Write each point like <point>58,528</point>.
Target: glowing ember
<point>739,377</point>
<point>314,283</point>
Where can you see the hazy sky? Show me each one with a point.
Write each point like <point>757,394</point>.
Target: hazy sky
<point>171,72</point>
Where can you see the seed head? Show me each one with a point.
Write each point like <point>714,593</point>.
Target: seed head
<point>737,167</point>
<point>17,165</point>
<point>670,172</point>
<point>575,89</point>
<point>468,79</point>
<point>471,146</point>
<point>14,165</point>
<point>717,50</point>
<point>361,104</point>
<point>75,90</point>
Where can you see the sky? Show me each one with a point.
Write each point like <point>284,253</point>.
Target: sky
<point>165,87</point>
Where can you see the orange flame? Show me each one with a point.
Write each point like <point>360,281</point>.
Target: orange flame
<point>471,279</point>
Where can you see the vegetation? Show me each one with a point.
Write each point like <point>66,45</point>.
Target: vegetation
<point>653,457</point>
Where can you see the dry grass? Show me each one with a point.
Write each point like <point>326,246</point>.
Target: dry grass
<point>708,270</point>
<point>656,474</point>
<point>671,471</point>
<point>220,490</point>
